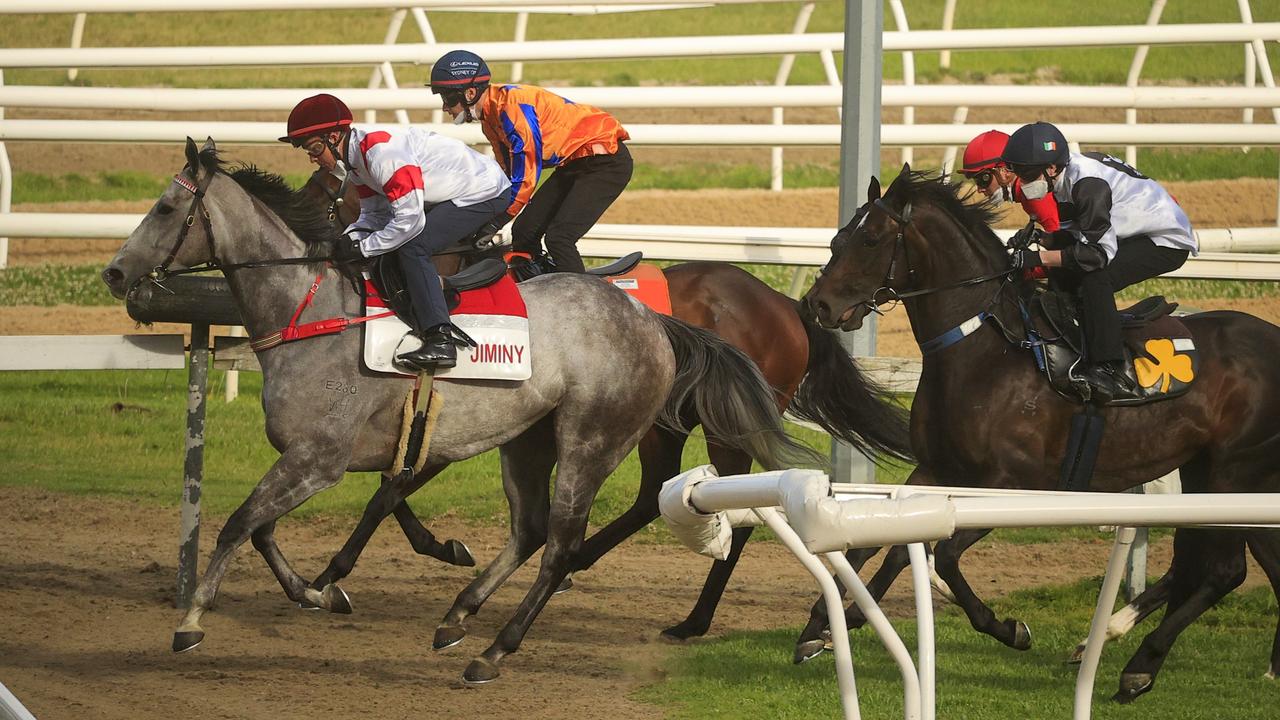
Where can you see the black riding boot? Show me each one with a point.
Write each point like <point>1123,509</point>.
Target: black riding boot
<point>437,351</point>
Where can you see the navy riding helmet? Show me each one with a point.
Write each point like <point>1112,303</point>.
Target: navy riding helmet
<point>1037,145</point>
<point>458,70</point>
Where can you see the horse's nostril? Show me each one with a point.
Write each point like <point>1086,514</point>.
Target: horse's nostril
<point>112,277</point>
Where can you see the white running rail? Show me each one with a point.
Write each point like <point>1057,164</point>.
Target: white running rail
<point>824,520</point>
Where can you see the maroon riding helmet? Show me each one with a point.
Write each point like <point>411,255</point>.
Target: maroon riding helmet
<point>315,115</point>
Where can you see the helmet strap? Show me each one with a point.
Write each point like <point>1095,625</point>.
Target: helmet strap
<point>339,158</point>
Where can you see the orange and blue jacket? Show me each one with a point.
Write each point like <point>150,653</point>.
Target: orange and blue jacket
<point>531,128</point>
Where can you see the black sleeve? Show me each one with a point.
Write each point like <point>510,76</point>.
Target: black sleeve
<point>1091,198</point>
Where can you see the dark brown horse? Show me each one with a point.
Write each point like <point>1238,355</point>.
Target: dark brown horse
<point>984,416</point>
<point>765,325</point>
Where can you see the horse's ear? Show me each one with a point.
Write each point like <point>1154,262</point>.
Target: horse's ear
<point>906,168</point>
<point>193,156</point>
<point>209,146</point>
<point>873,189</point>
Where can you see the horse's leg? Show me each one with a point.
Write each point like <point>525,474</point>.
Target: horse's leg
<point>526,473</point>
<point>946,554</point>
<point>294,586</point>
<point>452,551</point>
<point>1265,546</point>
<point>302,471</point>
<point>728,462</point>
<point>389,495</point>
<point>659,462</point>
<point>1207,564</point>
<point>1138,609</point>
<point>588,451</point>
<point>813,638</point>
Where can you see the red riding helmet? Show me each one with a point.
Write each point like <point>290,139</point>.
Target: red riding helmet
<point>315,115</point>
<point>983,152</point>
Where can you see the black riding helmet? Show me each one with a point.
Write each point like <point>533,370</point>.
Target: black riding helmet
<point>1034,147</point>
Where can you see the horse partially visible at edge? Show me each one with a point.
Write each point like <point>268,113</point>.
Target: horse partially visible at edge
<point>984,415</point>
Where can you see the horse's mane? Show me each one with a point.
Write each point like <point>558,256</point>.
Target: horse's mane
<point>972,212</point>
<point>304,216</point>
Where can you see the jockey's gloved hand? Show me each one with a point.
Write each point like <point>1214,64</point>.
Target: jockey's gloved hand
<point>1023,239</point>
<point>487,236</point>
<point>347,249</point>
<point>1025,259</point>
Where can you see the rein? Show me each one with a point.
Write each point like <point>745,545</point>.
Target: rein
<point>955,334</point>
<point>293,331</point>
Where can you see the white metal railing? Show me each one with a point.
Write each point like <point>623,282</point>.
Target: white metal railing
<point>823,519</point>
<point>741,96</point>
<point>1234,253</point>
<point>631,48</point>
<point>1155,134</point>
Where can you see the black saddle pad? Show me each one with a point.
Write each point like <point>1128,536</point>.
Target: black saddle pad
<point>1160,357</point>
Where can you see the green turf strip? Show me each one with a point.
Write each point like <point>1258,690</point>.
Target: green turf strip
<point>1213,673</point>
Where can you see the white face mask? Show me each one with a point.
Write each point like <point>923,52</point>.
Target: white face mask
<point>1035,190</point>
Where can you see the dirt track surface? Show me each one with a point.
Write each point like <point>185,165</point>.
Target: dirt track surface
<point>88,616</point>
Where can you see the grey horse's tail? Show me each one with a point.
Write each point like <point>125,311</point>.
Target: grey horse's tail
<point>733,402</point>
<point>849,406</point>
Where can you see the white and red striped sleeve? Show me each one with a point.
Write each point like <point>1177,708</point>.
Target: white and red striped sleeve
<point>393,175</point>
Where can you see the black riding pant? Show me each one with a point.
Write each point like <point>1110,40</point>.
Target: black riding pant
<point>1137,259</point>
<point>446,225</point>
<point>568,204</point>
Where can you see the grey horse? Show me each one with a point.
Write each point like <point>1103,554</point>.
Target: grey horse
<point>605,368</point>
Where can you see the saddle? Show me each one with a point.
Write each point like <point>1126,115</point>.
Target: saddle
<point>1160,354</point>
<point>387,277</point>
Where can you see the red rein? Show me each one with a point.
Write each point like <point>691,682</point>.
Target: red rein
<point>294,331</point>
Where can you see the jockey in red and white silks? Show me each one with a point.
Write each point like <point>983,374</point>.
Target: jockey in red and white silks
<point>400,175</point>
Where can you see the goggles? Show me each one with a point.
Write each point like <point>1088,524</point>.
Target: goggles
<point>982,178</point>
<point>1027,173</point>
<point>451,98</point>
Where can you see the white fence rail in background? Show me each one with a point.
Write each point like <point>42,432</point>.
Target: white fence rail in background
<point>738,96</point>
<point>1155,134</point>
<point>635,48</point>
<point>1231,253</point>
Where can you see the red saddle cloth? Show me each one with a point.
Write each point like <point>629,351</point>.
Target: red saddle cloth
<point>499,298</point>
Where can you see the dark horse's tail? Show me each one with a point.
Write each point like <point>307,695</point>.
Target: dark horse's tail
<point>838,397</point>
<point>732,400</point>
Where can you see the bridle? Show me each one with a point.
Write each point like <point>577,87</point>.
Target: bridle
<point>161,272</point>
<point>892,295</point>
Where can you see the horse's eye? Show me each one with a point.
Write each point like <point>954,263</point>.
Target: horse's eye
<point>163,209</point>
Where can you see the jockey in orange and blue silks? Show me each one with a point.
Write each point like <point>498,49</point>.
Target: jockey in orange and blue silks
<point>532,129</point>
<point>420,192</point>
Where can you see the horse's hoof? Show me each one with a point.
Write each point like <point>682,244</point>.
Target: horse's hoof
<point>184,640</point>
<point>304,605</point>
<point>565,585</point>
<point>1269,675</point>
<point>808,650</point>
<point>1077,655</point>
<point>337,599</point>
<point>480,672</point>
<point>681,632</point>
<point>1133,685</point>
<point>457,553</point>
<point>447,636</point>
<point>1021,635</point>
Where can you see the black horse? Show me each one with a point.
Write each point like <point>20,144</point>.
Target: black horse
<point>985,416</point>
